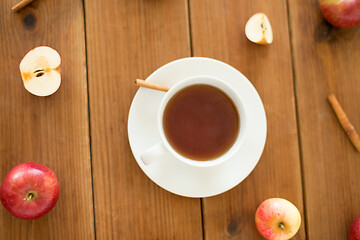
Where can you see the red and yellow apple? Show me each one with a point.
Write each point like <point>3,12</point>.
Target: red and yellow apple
<point>29,190</point>
<point>277,219</point>
<point>40,71</point>
<point>355,230</point>
<point>341,13</point>
<point>258,29</point>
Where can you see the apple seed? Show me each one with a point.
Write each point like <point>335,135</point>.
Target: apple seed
<point>39,72</point>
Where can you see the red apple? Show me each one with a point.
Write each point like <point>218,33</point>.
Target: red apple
<point>341,13</point>
<point>355,230</point>
<point>29,190</point>
<point>277,219</point>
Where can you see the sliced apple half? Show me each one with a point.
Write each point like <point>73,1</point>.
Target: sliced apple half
<point>258,29</point>
<point>40,71</point>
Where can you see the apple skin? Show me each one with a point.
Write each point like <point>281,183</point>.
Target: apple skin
<point>272,213</point>
<point>341,13</point>
<point>23,179</point>
<point>355,230</point>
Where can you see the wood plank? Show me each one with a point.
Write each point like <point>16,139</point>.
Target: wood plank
<point>218,32</point>
<point>54,130</point>
<point>326,61</point>
<point>128,40</point>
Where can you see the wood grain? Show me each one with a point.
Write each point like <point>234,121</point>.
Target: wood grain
<point>128,40</point>
<point>326,61</point>
<point>218,32</point>
<point>54,130</point>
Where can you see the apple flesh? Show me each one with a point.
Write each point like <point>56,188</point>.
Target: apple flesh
<point>277,219</point>
<point>40,71</point>
<point>29,190</point>
<point>258,29</point>
<point>341,13</point>
<point>355,230</point>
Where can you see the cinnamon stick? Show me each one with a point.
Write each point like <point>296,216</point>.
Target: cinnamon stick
<point>20,5</point>
<point>151,85</point>
<point>345,122</point>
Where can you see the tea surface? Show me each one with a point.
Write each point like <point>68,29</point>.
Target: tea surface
<point>201,122</point>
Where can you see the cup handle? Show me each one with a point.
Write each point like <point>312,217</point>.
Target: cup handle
<point>153,153</point>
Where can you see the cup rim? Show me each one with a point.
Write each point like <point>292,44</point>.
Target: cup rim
<point>238,102</point>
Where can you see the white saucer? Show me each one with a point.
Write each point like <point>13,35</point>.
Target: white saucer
<point>173,175</point>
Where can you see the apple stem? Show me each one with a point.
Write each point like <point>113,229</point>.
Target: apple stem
<point>281,225</point>
<point>31,195</point>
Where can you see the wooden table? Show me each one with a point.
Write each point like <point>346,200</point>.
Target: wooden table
<point>81,131</point>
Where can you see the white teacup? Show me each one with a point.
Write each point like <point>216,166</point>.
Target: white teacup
<point>160,149</point>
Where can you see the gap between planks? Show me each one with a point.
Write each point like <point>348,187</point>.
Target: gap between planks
<point>89,120</point>
<point>297,121</point>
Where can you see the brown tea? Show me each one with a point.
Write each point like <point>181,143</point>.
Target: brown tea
<point>201,122</point>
